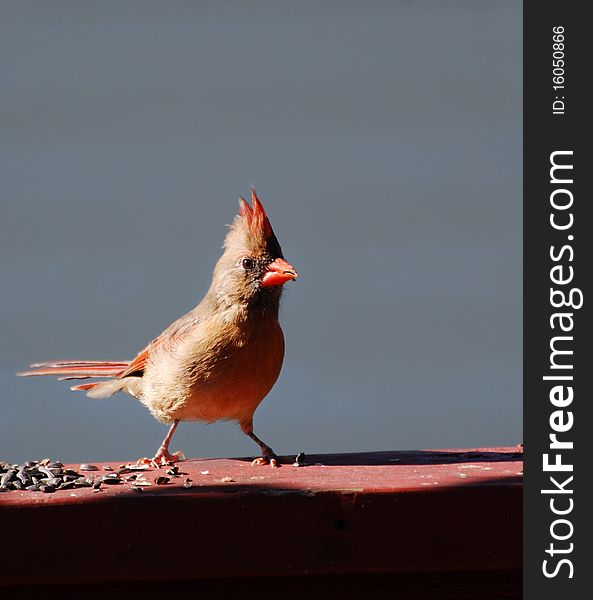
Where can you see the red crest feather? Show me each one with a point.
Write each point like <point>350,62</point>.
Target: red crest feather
<point>255,215</point>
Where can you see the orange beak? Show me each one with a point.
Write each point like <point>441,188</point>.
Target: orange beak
<point>278,273</point>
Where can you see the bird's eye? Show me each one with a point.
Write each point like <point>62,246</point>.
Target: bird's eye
<point>248,264</point>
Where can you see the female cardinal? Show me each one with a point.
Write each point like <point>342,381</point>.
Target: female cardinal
<point>220,359</point>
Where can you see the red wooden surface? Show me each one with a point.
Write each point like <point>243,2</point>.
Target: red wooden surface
<point>382,513</point>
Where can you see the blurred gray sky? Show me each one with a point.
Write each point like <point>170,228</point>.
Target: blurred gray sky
<point>385,141</point>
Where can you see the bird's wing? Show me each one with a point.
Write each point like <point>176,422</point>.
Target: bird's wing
<point>136,367</point>
<point>176,330</point>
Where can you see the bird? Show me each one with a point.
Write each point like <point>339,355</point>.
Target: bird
<point>219,360</point>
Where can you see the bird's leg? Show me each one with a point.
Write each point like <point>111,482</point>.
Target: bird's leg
<point>162,456</point>
<point>268,455</point>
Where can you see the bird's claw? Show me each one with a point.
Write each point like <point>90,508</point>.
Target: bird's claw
<point>268,458</point>
<point>162,459</point>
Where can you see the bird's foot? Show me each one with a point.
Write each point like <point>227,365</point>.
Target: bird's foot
<point>268,457</point>
<point>163,458</point>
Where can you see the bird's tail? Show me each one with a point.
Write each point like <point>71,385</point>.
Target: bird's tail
<point>66,370</point>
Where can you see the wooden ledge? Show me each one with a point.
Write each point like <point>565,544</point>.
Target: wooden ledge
<point>380,513</point>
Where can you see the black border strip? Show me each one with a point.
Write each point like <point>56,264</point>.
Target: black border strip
<point>545,133</point>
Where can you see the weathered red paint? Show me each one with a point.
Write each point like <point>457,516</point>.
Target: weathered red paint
<point>456,511</point>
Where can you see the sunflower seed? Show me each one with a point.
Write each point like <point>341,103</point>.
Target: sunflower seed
<point>111,480</point>
<point>299,461</point>
<point>7,476</point>
<point>24,478</point>
<point>49,473</point>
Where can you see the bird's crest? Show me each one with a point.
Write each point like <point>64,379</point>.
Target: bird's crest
<point>251,231</point>
<point>255,216</point>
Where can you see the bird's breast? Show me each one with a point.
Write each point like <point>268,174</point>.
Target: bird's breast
<point>219,373</point>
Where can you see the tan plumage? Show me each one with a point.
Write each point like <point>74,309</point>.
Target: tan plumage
<point>220,359</point>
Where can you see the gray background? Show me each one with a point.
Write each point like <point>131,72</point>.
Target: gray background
<point>385,141</point>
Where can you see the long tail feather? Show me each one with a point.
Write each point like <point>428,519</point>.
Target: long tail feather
<point>113,371</point>
<point>78,369</point>
<point>84,387</point>
<point>77,363</point>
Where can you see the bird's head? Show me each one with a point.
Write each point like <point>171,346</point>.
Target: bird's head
<point>252,269</point>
